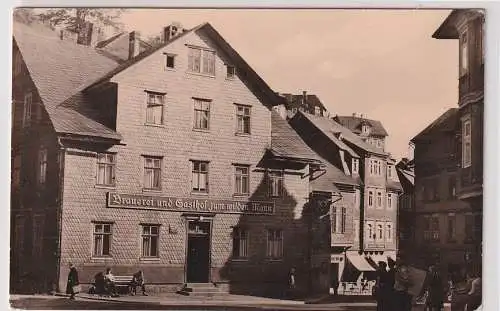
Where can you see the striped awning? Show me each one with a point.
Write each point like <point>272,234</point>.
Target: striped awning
<point>359,262</point>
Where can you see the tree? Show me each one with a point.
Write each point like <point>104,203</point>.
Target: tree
<point>74,18</point>
<point>24,15</point>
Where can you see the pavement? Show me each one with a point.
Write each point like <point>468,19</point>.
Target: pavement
<point>177,302</point>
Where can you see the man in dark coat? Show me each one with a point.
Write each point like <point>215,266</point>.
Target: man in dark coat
<point>435,291</point>
<point>382,286</point>
<point>72,281</point>
<point>138,280</point>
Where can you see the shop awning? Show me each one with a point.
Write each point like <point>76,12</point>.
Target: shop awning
<point>359,262</point>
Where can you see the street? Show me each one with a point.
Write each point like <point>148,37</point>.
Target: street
<point>63,303</point>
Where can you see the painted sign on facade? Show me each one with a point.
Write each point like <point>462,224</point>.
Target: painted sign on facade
<point>119,200</point>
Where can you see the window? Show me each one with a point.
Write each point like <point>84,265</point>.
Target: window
<point>355,166</point>
<point>154,109</point>
<point>343,219</point>
<point>388,232</point>
<point>150,234</point>
<point>152,173</point>
<point>452,187</point>
<point>28,100</point>
<point>201,61</point>
<point>451,233</point>
<point>106,166</point>
<point>276,183</point>
<point>275,243</point>
<point>170,61</point>
<point>369,231</point>
<point>102,239</point>
<point>375,167</point>
<point>334,219</point>
<point>19,238</point>
<point>365,129</point>
<point>466,143</point>
<point>242,180</point>
<point>42,166</point>
<point>370,198</point>
<point>240,243</point>
<point>389,171</point>
<point>16,171</point>
<point>389,200</point>
<point>243,119</point>
<point>464,54</point>
<point>200,176</point>
<point>435,227</point>
<point>317,110</point>
<point>201,114</point>
<point>380,232</point>
<point>379,199</point>
<point>38,234</point>
<point>230,72</point>
<point>427,228</point>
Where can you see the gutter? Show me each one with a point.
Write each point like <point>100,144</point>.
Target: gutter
<point>62,151</point>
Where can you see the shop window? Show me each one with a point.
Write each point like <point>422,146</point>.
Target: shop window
<point>275,243</point>
<point>201,114</point>
<point>102,239</point>
<point>150,237</point>
<point>240,243</point>
<point>106,167</point>
<point>200,176</point>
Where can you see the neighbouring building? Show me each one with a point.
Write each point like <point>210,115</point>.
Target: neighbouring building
<point>304,102</point>
<point>371,131</point>
<point>172,162</point>
<point>406,213</point>
<point>467,26</point>
<point>374,202</point>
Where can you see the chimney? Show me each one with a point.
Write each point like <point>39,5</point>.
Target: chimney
<point>354,114</point>
<point>85,34</point>
<point>171,31</point>
<point>304,98</point>
<point>361,116</point>
<point>133,44</point>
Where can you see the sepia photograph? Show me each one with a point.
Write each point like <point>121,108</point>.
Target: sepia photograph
<point>247,159</point>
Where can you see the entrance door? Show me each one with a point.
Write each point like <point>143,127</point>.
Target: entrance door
<point>334,275</point>
<point>198,252</point>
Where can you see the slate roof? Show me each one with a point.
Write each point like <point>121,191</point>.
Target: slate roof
<point>332,176</point>
<point>354,124</point>
<point>60,69</point>
<point>448,121</point>
<point>332,129</point>
<point>285,142</point>
<point>295,101</point>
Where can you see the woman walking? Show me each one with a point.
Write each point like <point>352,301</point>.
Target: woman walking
<point>72,286</point>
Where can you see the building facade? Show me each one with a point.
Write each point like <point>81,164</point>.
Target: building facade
<point>304,102</point>
<point>371,131</point>
<point>172,162</point>
<point>374,201</point>
<point>406,213</point>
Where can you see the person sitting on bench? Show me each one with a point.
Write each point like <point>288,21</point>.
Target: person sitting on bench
<point>110,283</point>
<point>138,280</point>
<point>99,284</point>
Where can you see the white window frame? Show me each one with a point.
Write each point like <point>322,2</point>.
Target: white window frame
<point>371,195</point>
<point>241,235</point>
<point>107,163</point>
<point>148,234</point>
<point>230,72</point>
<point>239,180</point>
<point>201,61</point>
<point>42,165</point>
<point>464,53</point>
<point>156,168</point>
<point>243,116</point>
<point>379,199</point>
<point>275,241</point>
<point>466,141</point>
<point>317,110</point>
<point>153,100</point>
<point>276,183</point>
<point>370,229</point>
<point>355,166</point>
<point>201,113</point>
<point>197,171</point>
<point>365,129</point>
<point>390,171</point>
<point>389,230</point>
<point>379,231</point>
<point>390,199</point>
<point>28,103</point>
<point>100,232</point>
<point>435,231</point>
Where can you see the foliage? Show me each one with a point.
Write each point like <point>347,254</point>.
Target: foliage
<point>73,18</point>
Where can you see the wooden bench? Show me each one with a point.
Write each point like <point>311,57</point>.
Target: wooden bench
<point>122,281</point>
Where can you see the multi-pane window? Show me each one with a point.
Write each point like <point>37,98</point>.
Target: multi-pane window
<point>388,232</point>
<point>106,166</point>
<point>369,231</point>
<point>170,61</point>
<point>102,239</point>
<point>370,198</point>
<point>42,166</point>
<point>242,179</point>
<point>379,199</point>
<point>201,61</point>
<point>317,111</point>
<point>150,236</point>
<point>201,114</point>
<point>38,234</point>
<point>28,101</point>
<point>376,167</point>
<point>154,108</point>
<point>365,129</point>
<point>275,243</point>
<point>451,233</point>
<point>343,218</point>
<point>355,166</point>
<point>435,227</point>
<point>466,143</point>
<point>276,183</point>
<point>464,54</point>
<point>240,243</point>
<point>230,72</point>
<point>200,176</point>
<point>380,232</point>
<point>16,171</point>
<point>243,119</point>
<point>152,173</point>
<point>389,200</point>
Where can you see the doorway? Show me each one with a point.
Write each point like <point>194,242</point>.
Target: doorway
<point>198,252</point>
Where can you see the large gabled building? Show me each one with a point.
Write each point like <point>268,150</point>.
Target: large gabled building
<point>171,162</point>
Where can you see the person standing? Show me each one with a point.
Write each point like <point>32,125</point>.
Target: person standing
<point>402,282</point>
<point>381,287</point>
<point>73,282</point>
<point>291,282</point>
<point>435,292</point>
<point>391,279</point>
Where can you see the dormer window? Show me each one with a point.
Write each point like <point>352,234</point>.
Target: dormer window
<point>365,129</point>
<point>464,54</point>
<point>317,111</point>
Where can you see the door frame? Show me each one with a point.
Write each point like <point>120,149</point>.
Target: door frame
<point>201,218</point>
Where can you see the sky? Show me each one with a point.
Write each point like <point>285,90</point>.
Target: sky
<point>383,64</point>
